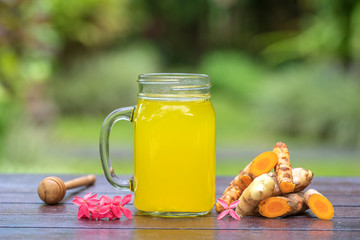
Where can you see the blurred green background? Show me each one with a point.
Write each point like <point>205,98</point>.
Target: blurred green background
<point>281,71</point>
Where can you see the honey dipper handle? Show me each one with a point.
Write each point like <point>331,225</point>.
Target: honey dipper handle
<point>81,181</point>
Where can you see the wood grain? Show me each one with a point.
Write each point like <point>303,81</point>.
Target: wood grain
<point>24,216</point>
<point>175,234</point>
<point>69,209</point>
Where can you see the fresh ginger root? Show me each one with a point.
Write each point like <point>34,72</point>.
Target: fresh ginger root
<point>282,206</point>
<point>301,178</point>
<point>263,163</point>
<point>283,168</point>
<point>319,204</point>
<point>262,187</point>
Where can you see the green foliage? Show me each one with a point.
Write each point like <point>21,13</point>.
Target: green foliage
<point>285,73</point>
<point>104,82</point>
<point>91,22</point>
<point>331,32</point>
<point>8,112</point>
<point>27,47</point>
<point>234,73</point>
<point>37,34</point>
<point>319,102</point>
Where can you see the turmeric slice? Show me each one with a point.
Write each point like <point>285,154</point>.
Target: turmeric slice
<point>301,177</point>
<point>263,163</point>
<point>282,206</point>
<point>261,188</point>
<point>319,204</point>
<point>283,168</point>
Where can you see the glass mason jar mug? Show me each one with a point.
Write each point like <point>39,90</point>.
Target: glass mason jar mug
<point>174,152</point>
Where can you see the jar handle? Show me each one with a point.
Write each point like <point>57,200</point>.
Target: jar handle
<point>126,114</point>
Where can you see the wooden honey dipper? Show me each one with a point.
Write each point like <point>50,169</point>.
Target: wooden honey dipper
<point>52,189</point>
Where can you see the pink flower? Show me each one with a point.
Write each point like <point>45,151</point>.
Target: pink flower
<point>113,208</point>
<point>228,209</point>
<point>103,207</point>
<point>86,204</point>
<point>95,213</point>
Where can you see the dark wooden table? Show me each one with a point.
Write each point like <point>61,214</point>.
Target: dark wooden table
<point>24,216</point>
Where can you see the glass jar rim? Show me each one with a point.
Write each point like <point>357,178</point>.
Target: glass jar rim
<point>174,86</point>
<point>172,76</point>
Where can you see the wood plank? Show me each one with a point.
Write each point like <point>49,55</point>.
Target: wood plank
<point>337,199</point>
<point>71,210</point>
<point>299,223</point>
<point>22,215</point>
<point>175,234</point>
<point>286,235</point>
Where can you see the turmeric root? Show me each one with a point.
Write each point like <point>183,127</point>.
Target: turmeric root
<point>283,168</point>
<point>263,163</point>
<point>234,190</point>
<point>319,204</point>
<point>301,177</point>
<point>262,187</point>
<point>282,206</point>
<point>276,191</point>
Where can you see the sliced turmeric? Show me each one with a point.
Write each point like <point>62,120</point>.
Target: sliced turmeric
<point>282,206</point>
<point>301,177</point>
<point>319,204</point>
<point>263,163</point>
<point>283,168</point>
<point>261,188</point>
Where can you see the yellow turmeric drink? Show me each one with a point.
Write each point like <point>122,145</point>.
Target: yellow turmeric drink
<point>174,156</point>
<point>174,152</point>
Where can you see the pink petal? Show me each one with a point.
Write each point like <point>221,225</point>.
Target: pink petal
<point>78,201</point>
<point>104,209</point>
<point>223,214</point>
<point>127,213</point>
<point>126,200</point>
<point>109,215</point>
<point>234,204</point>
<point>80,213</point>
<point>93,208</point>
<point>87,196</point>
<point>92,201</point>
<point>234,215</point>
<point>104,200</point>
<point>95,215</point>
<point>86,211</point>
<point>223,203</point>
<point>116,211</point>
<point>93,196</point>
<point>116,200</point>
